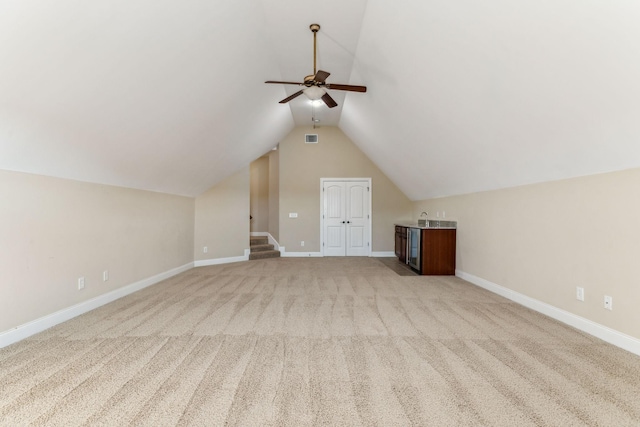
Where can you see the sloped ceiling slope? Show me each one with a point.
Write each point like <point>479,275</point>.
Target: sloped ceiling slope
<point>160,95</point>
<point>463,95</point>
<point>466,96</point>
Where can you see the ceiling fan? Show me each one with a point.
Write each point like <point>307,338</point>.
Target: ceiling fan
<point>315,84</point>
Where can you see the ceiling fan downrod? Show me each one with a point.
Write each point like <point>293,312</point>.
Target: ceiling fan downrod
<point>314,29</point>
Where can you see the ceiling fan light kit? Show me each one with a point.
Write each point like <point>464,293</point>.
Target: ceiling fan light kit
<point>314,92</point>
<point>315,84</point>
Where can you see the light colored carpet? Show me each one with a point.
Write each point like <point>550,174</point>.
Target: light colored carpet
<point>323,341</point>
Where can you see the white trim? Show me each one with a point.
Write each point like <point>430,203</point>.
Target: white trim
<point>217,261</point>
<point>383,254</point>
<point>35,326</point>
<point>322,181</point>
<point>285,254</point>
<point>605,333</point>
<point>272,241</point>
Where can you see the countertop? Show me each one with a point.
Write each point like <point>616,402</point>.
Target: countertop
<point>431,224</point>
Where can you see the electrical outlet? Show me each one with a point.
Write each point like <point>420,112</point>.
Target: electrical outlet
<point>80,283</point>
<point>579,293</point>
<point>205,249</point>
<point>105,275</point>
<point>608,302</point>
<point>302,243</point>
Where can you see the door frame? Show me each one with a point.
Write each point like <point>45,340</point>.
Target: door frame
<point>322,181</point>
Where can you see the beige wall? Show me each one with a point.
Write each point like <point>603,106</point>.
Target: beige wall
<point>335,156</point>
<point>53,231</point>
<point>274,194</point>
<point>259,201</point>
<point>222,218</point>
<point>543,240</point>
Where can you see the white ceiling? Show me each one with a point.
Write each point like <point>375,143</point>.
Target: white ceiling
<point>463,95</point>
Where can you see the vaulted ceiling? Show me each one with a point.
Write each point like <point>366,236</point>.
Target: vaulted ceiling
<point>463,95</point>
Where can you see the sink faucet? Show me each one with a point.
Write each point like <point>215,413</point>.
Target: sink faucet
<point>424,213</point>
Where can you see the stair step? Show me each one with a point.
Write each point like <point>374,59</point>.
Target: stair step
<point>264,255</point>
<point>259,240</point>
<point>261,248</point>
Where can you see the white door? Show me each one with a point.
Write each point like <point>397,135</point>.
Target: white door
<point>346,217</point>
<point>357,196</point>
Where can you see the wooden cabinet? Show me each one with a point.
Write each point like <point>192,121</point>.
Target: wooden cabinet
<point>401,243</point>
<point>438,251</point>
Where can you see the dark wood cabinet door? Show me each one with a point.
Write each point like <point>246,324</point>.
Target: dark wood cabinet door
<point>401,243</point>
<point>439,252</point>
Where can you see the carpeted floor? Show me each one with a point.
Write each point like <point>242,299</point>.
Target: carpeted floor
<point>322,341</point>
<point>398,267</point>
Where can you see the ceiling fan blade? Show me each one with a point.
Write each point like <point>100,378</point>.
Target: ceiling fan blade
<point>321,76</point>
<point>329,100</point>
<point>289,98</point>
<point>350,88</point>
<point>285,83</point>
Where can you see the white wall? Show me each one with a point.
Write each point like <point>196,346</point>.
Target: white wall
<point>53,231</point>
<point>543,240</point>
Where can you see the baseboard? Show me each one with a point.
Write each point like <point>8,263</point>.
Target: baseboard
<point>285,254</point>
<point>605,333</point>
<point>272,241</point>
<point>217,261</point>
<point>35,326</point>
<point>387,254</point>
